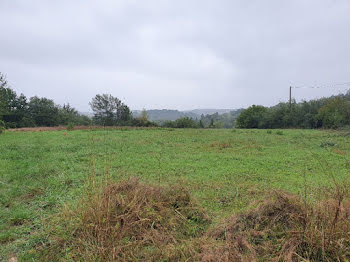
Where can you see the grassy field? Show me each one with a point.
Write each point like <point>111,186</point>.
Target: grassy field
<point>227,171</point>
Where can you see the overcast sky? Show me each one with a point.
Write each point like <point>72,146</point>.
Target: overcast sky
<point>178,54</point>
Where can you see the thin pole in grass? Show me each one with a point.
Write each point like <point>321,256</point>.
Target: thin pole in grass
<point>305,205</point>
<point>159,158</point>
<point>106,159</point>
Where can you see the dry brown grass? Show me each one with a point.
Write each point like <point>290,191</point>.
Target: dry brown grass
<point>283,229</point>
<point>221,145</point>
<point>131,221</point>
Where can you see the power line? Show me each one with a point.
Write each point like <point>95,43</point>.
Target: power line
<point>325,87</point>
<point>317,87</point>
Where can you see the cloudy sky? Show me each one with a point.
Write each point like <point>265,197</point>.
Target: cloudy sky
<point>181,54</point>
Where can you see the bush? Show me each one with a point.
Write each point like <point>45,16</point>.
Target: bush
<point>2,127</point>
<point>183,122</point>
<point>140,122</point>
<point>251,117</point>
<point>70,127</point>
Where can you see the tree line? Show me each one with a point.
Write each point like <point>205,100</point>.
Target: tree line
<point>17,111</point>
<point>331,112</point>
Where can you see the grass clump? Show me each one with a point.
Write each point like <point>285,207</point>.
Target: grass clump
<point>128,221</point>
<point>284,228</point>
<point>132,221</point>
<point>327,143</point>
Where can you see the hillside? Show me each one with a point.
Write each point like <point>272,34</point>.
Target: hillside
<point>159,115</point>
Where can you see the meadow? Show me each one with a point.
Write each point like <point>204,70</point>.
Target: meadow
<point>226,171</point>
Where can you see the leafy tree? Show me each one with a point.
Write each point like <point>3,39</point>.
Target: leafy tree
<point>124,114</point>
<point>251,117</point>
<point>3,100</point>
<point>13,108</point>
<point>336,113</point>
<point>69,115</point>
<point>43,111</point>
<point>109,110</point>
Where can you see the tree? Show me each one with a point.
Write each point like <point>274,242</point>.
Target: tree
<point>109,110</point>
<point>13,108</point>
<point>43,111</point>
<point>3,85</point>
<point>143,118</point>
<point>336,113</point>
<point>251,117</point>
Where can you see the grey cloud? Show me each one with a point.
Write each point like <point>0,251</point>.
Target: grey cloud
<point>174,54</point>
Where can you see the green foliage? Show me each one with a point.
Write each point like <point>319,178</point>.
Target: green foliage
<point>143,120</point>
<point>333,112</point>
<point>43,111</point>
<point>2,126</point>
<point>16,111</point>
<point>336,113</point>
<point>183,122</point>
<point>251,117</point>
<point>70,127</point>
<point>109,110</point>
<point>12,107</point>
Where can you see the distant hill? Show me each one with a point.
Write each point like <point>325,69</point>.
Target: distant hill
<point>209,111</point>
<point>159,115</point>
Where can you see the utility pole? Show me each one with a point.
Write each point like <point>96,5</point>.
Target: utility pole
<point>290,98</point>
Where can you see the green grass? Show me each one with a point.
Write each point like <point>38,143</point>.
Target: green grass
<point>226,170</point>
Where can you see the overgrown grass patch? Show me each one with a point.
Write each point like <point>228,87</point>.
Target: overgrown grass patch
<point>40,172</point>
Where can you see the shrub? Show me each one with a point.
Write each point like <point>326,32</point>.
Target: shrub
<point>183,122</point>
<point>2,126</point>
<point>327,144</point>
<point>70,127</point>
